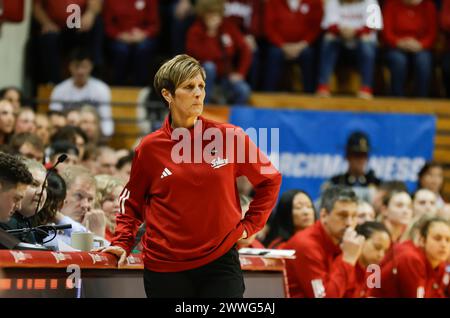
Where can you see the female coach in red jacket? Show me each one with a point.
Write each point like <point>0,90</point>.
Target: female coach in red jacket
<point>184,187</point>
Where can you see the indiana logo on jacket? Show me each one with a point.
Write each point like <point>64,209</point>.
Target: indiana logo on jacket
<point>218,162</point>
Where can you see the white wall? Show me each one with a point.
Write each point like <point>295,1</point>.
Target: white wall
<point>13,37</point>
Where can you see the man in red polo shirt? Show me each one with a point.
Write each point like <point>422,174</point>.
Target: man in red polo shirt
<point>326,253</point>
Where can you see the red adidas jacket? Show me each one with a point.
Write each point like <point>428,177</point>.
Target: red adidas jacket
<point>360,288</point>
<point>192,210</point>
<point>286,26</point>
<point>318,270</point>
<point>122,16</point>
<point>222,49</point>
<point>408,274</point>
<point>416,21</point>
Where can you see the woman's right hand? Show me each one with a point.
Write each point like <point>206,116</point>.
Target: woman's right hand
<point>119,252</point>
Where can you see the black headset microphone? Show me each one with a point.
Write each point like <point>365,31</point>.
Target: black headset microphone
<point>60,159</point>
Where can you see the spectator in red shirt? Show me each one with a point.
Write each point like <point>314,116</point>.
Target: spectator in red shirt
<point>418,271</point>
<point>221,48</point>
<point>292,27</point>
<point>132,28</point>
<point>295,212</point>
<point>376,245</point>
<point>349,32</point>
<point>410,28</point>
<point>445,26</point>
<point>53,17</point>
<point>327,252</point>
<point>12,11</point>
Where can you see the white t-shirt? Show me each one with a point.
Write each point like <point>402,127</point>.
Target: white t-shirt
<point>355,15</point>
<point>94,92</point>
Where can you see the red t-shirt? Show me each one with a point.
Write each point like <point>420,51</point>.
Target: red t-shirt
<point>285,25</point>
<point>13,11</point>
<point>247,15</point>
<point>57,9</point>
<point>123,15</point>
<point>222,49</point>
<point>416,21</point>
<point>192,210</point>
<point>318,270</point>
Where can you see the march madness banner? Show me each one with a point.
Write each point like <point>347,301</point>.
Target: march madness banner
<point>312,144</point>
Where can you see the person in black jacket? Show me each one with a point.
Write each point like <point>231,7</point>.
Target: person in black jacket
<point>358,176</point>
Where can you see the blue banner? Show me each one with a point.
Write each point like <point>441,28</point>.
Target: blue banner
<point>312,144</point>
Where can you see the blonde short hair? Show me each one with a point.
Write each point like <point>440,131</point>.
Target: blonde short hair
<point>176,71</point>
<point>105,186</point>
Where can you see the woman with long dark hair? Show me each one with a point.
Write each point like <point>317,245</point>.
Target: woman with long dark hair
<point>295,212</point>
<point>431,177</point>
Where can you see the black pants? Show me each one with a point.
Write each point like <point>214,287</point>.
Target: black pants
<point>221,278</point>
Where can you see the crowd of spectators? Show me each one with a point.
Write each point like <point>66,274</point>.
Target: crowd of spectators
<point>83,190</point>
<point>249,45</point>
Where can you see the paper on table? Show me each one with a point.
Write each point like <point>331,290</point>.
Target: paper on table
<point>269,253</point>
